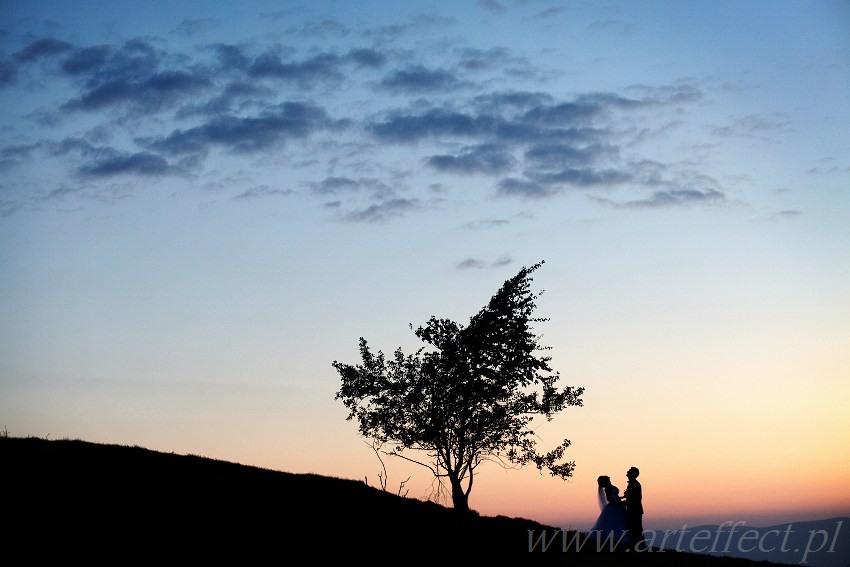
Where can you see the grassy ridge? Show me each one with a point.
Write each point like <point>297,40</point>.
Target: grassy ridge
<point>90,498</point>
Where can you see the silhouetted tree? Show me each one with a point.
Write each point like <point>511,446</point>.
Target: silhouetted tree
<point>469,398</point>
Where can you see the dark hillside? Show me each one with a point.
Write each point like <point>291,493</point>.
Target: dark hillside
<point>84,499</point>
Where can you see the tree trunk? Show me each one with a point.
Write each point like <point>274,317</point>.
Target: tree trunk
<point>460,500</point>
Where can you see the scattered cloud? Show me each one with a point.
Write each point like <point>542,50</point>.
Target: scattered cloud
<point>306,73</point>
<point>561,155</point>
<point>478,264</point>
<point>675,197</point>
<point>384,210</point>
<point>336,185</point>
<point>754,125</point>
<point>787,214</point>
<point>482,60</point>
<point>617,26</point>
<point>367,58</point>
<point>820,170</point>
<point>489,159</point>
<point>148,95</point>
<point>470,263</point>
<point>87,59</point>
<point>416,23</point>
<point>261,191</point>
<point>8,72</point>
<point>492,5</point>
<point>142,163</point>
<point>332,185</point>
<point>188,28</point>
<point>323,29</point>
<point>486,224</point>
<point>247,134</point>
<point>41,48</point>
<point>402,127</point>
<point>581,177</point>
<point>548,13</point>
<point>232,98</point>
<point>241,99</point>
<point>513,187</point>
<point>420,79</point>
<point>230,57</point>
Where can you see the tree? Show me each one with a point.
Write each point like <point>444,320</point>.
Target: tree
<point>468,396</point>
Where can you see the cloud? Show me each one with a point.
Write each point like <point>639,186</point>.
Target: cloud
<point>231,96</point>
<point>41,48</point>
<point>568,122</point>
<point>248,134</point>
<point>665,94</point>
<point>87,60</point>
<point>322,67</point>
<point>504,101</point>
<point>337,184</point>
<point>821,170</point>
<point>8,72</point>
<point>491,5</point>
<point>488,159</point>
<point>383,211</point>
<point>132,77</point>
<point>548,13</point>
<point>14,154</point>
<point>435,122</point>
<point>261,191</point>
<point>469,263</point>
<point>147,95</point>
<point>563,144</point>
<point>753,125</point>
<point>563,114</point>
<point>475,263</point>
<point>367,58</point>
<point>8,208</point>
<point>582,177</point>
<point>324,29</point>
<point>674,197</point>
<point>417,23</point>
<point>559,155</point>
<point>480,60</point>
<point>234,100</point>
<point>135,59</point>
<point>77,147</point>
<point>420,79</point>
<point>332,185</point>
<point>141,163</point>
<point>189,28</point>
<point>513,187</point>
<point>231,56</point>
<point>611,25</point>
<point>487,224</point>
<point>787,214</point>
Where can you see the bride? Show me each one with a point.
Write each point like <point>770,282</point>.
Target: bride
<point>612,522</point>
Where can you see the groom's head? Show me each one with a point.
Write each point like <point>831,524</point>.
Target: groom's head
<point>632,472</point>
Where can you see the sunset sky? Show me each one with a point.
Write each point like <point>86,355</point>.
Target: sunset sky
<point>204,204</point>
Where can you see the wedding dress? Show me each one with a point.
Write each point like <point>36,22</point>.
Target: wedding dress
<point>612,521</point>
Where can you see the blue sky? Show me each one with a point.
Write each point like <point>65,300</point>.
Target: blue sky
<point>204,204</point>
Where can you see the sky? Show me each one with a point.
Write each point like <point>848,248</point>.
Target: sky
<point>203,205</point>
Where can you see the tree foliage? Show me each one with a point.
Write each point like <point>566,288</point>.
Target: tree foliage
<point>468,395</point>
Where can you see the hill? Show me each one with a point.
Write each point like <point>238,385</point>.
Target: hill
<point>821,543</point>
<point>82,499</point>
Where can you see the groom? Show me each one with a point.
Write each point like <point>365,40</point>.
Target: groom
<point>633,498</point>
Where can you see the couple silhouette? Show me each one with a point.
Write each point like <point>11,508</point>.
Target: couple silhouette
<point>621,521</point>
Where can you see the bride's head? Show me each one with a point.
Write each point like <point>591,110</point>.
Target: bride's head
<point>603,481</point>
